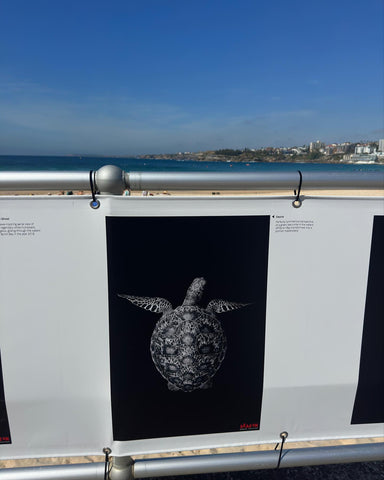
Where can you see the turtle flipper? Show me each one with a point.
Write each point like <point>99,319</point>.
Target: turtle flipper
<point>206,385</point>
<point>173,388</point>
<point>153,304</point>
<point>221,306</point>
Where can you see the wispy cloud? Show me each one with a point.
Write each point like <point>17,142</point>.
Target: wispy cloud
<point>122,125</point>
<point>274,116</point>
<point>69,115</point>
<point>35,118</point>
<point>104,125</point>
<point>23,87</point>
<point>379,131</point>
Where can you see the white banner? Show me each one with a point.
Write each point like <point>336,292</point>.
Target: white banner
<point>163,323</point>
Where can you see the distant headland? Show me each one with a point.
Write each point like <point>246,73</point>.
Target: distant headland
<point>360,152</point>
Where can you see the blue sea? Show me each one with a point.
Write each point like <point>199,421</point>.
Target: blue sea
<point>73,163</point>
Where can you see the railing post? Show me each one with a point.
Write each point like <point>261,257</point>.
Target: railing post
<point>122,468</point>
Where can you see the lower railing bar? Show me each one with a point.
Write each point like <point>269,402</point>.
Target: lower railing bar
<point>232,462</point>
<point>81,471</point>
<point>125,469</point>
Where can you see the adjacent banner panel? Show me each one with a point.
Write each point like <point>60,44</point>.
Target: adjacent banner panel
<point>369,403</point>
<point>53,327</point>
<point>5,436</point>
<point>159,324</point>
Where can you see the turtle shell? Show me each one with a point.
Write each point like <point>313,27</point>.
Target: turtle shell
<point>188,346</point>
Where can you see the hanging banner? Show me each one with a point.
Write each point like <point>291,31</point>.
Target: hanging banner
<point>161,323</point>
<point>193,296</point>
<point>54,327</point>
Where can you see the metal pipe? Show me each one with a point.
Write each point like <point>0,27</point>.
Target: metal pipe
<point>201,463</point>
<point>112,180</point>
<point>257,460</point>
<point>81,471</point>
<point>278,180</point>
<point>107,180</point>
<point>21,181</point>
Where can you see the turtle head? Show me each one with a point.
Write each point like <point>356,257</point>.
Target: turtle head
<point>195,291</point>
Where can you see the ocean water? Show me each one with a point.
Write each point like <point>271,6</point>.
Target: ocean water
<point>73,163</point>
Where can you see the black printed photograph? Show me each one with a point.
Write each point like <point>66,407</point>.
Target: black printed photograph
<point>5,436</point>
<point>369,400</point>
<point>187,303</point>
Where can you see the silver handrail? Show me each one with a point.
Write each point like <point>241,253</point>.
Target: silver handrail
<point>279,180</point>
<point>113,180</point>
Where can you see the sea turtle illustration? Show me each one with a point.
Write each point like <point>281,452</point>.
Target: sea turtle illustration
<point>188,343</point>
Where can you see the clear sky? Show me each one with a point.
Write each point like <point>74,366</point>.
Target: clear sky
<point>124,77</point>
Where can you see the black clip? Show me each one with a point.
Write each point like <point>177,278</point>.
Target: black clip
<point>107,452</point>
<point>94,203</point>
<point>283,436</point>
<point>297,202</point>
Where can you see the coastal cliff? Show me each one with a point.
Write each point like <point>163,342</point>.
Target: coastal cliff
<point>250,156</point>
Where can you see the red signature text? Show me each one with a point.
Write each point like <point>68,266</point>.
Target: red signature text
<point>249,426</point>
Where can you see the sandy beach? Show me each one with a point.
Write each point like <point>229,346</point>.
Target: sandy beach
<point>45,461</point>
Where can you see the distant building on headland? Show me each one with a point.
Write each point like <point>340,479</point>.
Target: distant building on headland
<point>366,153</point>
<point>338,148</point>
<point>316,146</point>
<point>363,149</point>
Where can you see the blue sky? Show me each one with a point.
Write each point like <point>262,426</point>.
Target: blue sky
<point>126,77</point>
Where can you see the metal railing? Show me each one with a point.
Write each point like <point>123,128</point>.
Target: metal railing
<point>112,180</point>
<point>124,468</point>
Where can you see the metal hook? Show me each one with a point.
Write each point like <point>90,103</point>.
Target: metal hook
<point>107,451</point>
<point>298,202</point>
<point>283,436</point>
<point>94,203</point>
